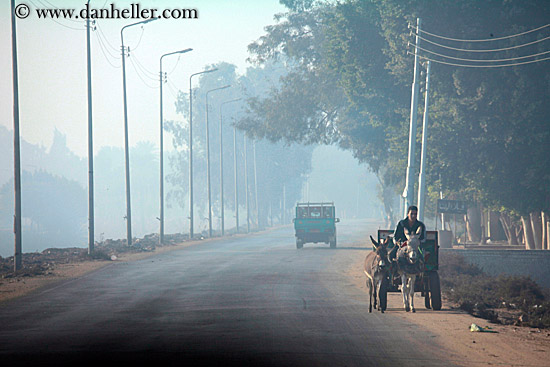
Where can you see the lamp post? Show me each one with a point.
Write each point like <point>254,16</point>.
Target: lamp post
<point>17,256</point>
<point>126,149</point>
<point>191,150</point>
<point>408,193</point>
<point>423,157</point>
<point>161,143</point>
<point>221,163</point>
<point>246,187</point>
<point>208,161</point>
<point>236,178</point>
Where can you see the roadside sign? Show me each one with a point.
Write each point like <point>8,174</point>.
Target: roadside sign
<point>451,206</point>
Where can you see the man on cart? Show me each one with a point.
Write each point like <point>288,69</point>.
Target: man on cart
<point>411,223</point>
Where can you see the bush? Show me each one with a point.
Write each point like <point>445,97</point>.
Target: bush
<point>483,295</point>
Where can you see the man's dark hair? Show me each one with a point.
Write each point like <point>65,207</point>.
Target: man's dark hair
<point>412,207</point>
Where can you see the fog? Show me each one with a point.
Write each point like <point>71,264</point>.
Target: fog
<point>55,198</point>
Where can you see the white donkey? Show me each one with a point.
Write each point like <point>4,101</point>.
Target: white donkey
<point>409,265</point>
<point>376,269</point>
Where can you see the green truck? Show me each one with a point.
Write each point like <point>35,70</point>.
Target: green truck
<point>315,222</point>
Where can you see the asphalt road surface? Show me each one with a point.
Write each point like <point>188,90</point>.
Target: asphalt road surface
<point>247,301</point>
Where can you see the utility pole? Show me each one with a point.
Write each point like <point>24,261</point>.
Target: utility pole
<point>91,236</point>
<point>161,145</point>
<point>236,178</point>
<point>246,185</point>
<point>256,186</point>
<point>16,146</point>
<point>408,193</point>
<point>421,177</point>
<point>221,164</point>
<point>208,162</point>
<point>126,145</point>
<point>191,234</point>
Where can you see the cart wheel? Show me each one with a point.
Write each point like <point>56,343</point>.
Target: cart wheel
<point>333,243</point>
<point>299,243</point>
<point>435,290</point>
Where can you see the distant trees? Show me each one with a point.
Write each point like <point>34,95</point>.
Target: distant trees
<point>277,165</point>
<point>54,210</point>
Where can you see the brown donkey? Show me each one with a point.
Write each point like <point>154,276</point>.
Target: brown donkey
<point>376,270</point>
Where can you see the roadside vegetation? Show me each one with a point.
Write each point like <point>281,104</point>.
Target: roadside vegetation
<point>502,299</point>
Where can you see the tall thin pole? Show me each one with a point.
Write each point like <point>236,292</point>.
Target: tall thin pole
<point>208,162</point>
<point>246,186</point>
<point>221,172</point>
<point>408,193</point>
<point>16,146</point>
<point>421,178</point>
<point>236,179</point>
<point>190,159</point>
<point>208,171</point>
<point>90,144</point>
<point>161,145</point>
<point>191,221</point>
<point>126,151</point>
<point>126,145</point>
<point>161,168</point>
<point>221,164</point>
<point>256,186</point>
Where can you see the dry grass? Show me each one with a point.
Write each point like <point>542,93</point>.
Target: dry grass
<point>501,299</point>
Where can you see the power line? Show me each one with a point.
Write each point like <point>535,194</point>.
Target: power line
<point>478,66</point>
<point>478,40</point>
<point>139,75</point>
<point>115,49</point>
<point>104,52</point>
<point>486,50</point>
<point>477,60</point>
<point>47,4</point>
<point>61,24</point>
<point>174,68</point>
<point>147,73</point>
<point>103,41</point>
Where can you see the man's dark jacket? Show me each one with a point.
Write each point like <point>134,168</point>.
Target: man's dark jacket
<point>399,235</point>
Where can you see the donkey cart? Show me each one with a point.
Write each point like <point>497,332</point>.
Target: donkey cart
<point>427,282</point>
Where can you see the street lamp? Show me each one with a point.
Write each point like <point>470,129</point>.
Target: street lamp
<point>191,150</point>
<point>161,239</point>
<point>236,178</point>
<point>221,162</point>
<point>126,149</point>
<point>208,162</point>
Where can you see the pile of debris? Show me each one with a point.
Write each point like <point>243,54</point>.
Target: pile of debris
<point>42,263</point>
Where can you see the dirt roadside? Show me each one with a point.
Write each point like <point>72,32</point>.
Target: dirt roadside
<point>507,345</point>
<point>17,286</point>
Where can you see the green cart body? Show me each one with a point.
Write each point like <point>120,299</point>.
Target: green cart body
<point>426,282</point>
<point>315,223</point>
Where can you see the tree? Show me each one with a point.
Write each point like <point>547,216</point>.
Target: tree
<point>488,127</point>
<point>293,161</point>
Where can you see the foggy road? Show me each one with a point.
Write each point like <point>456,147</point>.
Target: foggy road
<point>251,300</point>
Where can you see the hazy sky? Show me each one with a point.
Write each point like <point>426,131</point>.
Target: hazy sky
<point>52,66</point>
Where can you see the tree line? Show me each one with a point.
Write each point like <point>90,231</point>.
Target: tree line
<point>349,83</point>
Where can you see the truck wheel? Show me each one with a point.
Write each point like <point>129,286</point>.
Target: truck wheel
<point>299,243</point>
<point>435,290</point>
